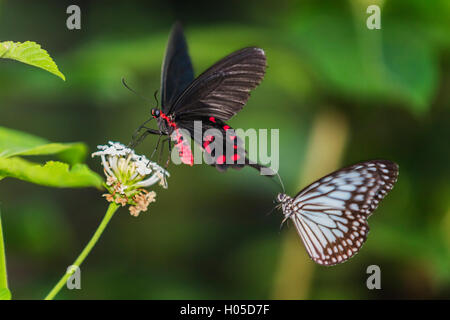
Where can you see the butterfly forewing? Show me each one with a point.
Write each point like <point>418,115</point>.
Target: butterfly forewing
<point>176,72</point>
<point>222,90</point>
<point>331,214</point>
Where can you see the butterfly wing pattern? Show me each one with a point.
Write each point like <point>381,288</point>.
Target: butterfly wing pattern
<point>330,215</point>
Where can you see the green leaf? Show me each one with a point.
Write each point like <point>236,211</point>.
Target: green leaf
<point>55,174</point>
<point>14,143</point>
<point>52,174</point>
<point>5,294</point>
<point>30,53</point>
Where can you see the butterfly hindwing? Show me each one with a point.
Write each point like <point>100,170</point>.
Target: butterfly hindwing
<point>331,214</point>
<point>222,146</point>
<point>176,72</point>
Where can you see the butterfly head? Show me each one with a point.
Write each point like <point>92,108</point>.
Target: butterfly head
<point>281,197</point>
<point>155,113</point>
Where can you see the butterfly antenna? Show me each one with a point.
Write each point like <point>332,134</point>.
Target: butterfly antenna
<point>272,173</point>
<point>156,97</point>
<point>134,91</point>
<point>281,182</point>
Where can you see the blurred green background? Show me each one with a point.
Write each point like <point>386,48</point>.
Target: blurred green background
<point>338,92</point>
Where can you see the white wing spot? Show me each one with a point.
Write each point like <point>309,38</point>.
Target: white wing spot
<point>343,220</point>
<point>347,187</point>
<point>325,188</point>
<point>342,227</point>
<point>338,233</point>
<point>351,174</point>
<point>328,234</point>
<point>341,195</point>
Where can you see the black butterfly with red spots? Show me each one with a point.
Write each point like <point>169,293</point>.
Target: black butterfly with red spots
<point>212,98</point>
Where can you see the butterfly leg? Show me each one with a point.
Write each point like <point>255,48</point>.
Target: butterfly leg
<point>286,217</point>
<point>157,145</point>
<point>161,150</point>
<point>135,134</point>
<point>135,141</point>
<point>170,153</point>
<point>153,131</point>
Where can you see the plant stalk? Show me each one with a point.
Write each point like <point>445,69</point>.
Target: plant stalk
<point>109,214</point>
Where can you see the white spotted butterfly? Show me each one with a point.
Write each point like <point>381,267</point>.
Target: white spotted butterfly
<point>331,214</point>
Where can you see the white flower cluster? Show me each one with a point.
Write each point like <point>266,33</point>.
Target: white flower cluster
<point>127,174</point>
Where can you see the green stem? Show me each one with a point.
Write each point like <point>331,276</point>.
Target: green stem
<point>3,274</point>
<point>109,214</point>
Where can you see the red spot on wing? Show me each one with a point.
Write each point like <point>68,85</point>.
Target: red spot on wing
<point>184,149</point>
<point>206,146</point>
<point>212,119</point>
<point>185,153</point>
<point>207,142</point>
<point>226,127</point>
<point>235,157</point>
<point>221,160</point>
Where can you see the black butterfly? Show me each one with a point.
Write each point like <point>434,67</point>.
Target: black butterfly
<point>331,214</point>
<point>212,98</point>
